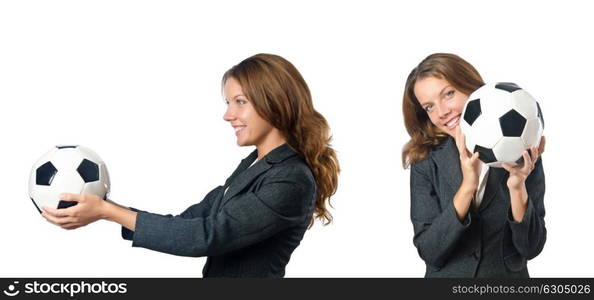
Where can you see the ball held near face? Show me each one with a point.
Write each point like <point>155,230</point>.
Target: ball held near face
<point>500,121</point>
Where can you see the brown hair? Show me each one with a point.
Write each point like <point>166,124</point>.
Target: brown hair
<point>423,134</point>
<point>281,97</point>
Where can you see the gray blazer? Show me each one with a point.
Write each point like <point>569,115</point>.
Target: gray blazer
<point>488,243</point>
<point>249,231</point>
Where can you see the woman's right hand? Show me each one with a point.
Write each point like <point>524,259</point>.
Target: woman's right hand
<point>469,163</point>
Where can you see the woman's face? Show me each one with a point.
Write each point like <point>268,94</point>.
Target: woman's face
<point>442,102</point>
<point>249,127</point>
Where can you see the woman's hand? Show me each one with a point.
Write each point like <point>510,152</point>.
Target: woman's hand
<point>469,163</point>
<point>519,173</point>
<point>516,182</point>
<point>89,209</point>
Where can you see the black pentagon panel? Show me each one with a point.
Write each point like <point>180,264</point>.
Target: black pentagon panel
<point>485,154</point>
<point>473,111</point>
<point>512,123</point>
<point>507,86</point>
<point>66,204</point>
<point>45,174</point>
<point>88,170</point>
<point>66,146</point>
<point>540,114</point>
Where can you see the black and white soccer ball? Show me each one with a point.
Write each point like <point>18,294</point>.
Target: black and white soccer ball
<point>500,121</point>
<point>67,169</point>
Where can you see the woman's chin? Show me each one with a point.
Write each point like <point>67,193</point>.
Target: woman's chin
<point>242,143</point>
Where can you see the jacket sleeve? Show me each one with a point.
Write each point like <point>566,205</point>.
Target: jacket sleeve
<point>437,229</point>
<point>200,209</point>
<point>283,200</point>
<point>530,234</point>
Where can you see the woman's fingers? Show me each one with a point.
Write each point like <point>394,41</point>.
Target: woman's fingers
<point>474,158</point>
<point>507,167</point>
<point>75,216</point>
<point>70,226</point>
<point>60,217</point>
<point>528,164</point>
<point>62,212</point>
<point>55,212</point>
<point>57,220</point>
<point>49,218</point>
<point>535,154</point>
<point>460,139</point>
<point>541,147</point>
<point>457,137</point>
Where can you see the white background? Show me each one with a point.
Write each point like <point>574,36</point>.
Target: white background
<point>139,83</point>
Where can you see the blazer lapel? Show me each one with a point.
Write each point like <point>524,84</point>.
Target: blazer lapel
<point>244,164</point>
<point>447,159</point>
<point>245,178</point>
<point>245,175</point>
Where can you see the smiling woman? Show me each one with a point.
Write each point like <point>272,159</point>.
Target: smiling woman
<point>469,220</point>
<point>442,102</point>
<point>250,128</point>
<point>250,225</point>
<point>438,80</point>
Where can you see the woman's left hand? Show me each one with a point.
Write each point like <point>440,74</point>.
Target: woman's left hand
<point>89,209</point>
<point>519,173</point>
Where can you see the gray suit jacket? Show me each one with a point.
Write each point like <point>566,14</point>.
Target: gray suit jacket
<point>488,243</point>
<point>249,231</point>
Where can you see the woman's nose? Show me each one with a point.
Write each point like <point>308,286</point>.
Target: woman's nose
<point>229,114</point>
<point>443,110</point>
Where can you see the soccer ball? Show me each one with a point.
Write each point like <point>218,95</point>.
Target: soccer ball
<point>67,169</point>
<point>500,121</point>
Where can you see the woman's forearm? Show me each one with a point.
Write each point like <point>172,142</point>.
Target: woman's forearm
<point>519,202</point>
<point>463,199</point>
<point>119,214</point>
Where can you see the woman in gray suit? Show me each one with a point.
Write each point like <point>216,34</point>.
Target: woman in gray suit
<point>462,228</point>
<point>249,226</point>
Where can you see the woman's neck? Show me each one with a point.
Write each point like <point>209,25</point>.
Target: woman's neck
<point>273,141</point>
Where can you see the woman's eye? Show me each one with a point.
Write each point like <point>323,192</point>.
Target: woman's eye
<point>449,94</point>
<point>241,101</point>
<point>429,107</point>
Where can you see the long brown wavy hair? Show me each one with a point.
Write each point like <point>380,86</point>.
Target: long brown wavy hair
<point>281,97</point>
<point>423,134</point>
